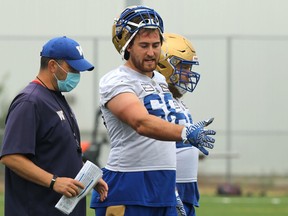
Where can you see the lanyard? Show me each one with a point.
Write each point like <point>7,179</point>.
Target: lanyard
<point>68,114</point>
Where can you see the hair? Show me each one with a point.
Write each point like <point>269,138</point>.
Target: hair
<point>45,60</point>
<point>142,30</point>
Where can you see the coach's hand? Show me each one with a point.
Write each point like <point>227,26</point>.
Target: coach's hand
<point>68,186</point>
<point>196,135</point>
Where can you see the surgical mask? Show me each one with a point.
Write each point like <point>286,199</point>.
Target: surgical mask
<point>69,83</point>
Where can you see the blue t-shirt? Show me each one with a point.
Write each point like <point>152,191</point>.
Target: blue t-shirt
<point>40,125</point>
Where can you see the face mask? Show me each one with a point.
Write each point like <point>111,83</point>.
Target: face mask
<point>69,83</point>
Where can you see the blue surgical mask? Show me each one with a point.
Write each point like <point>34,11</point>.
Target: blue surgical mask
<point>69,83</point>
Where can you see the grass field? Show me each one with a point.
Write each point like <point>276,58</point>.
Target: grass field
<point>243,206</point>
<point>237,206</point>
<point>225,206</point>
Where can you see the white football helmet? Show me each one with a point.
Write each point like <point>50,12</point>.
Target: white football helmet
<point>130,21</point>
<point>177,58</point>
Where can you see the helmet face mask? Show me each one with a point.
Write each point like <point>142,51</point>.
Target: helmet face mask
<point>176,62</point>
<point>131,20</point>
<point>183,75</point>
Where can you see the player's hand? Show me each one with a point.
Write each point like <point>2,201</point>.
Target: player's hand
<point>102,188</point>
<point>199,137</point>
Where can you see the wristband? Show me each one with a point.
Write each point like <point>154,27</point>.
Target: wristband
<point>184,135</point>
<point>53,180</point>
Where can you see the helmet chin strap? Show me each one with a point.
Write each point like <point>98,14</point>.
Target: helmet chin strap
<point>122,51</point>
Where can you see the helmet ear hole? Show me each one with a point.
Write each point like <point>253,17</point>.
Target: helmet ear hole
<point>161,65</point>
<point>126,55</point>
<point>174,78</point>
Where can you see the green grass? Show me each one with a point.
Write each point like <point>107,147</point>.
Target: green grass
<point>239,206</point>
<point>90,212</point>
<point>236,206</point>
<point>1,203</point>
<point>224,206</point>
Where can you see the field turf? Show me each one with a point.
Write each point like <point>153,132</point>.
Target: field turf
<point>225,206</point>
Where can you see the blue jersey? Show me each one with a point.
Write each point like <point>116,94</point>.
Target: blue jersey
<point>40,125</point>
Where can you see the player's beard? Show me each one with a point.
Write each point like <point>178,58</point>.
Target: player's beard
<point>144,66</point>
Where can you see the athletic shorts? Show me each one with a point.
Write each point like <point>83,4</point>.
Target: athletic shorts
<point>135,210</point>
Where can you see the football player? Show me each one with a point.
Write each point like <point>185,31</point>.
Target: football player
<point>137,109</point>
<point>177,63</point>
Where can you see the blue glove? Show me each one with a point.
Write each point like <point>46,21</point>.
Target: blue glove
<point>196,135</point>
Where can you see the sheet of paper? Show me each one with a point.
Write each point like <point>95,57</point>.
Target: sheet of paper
<point>88,175</point>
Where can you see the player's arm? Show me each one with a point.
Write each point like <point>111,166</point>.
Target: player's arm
<point>129,109</point>
<point>25,168</point>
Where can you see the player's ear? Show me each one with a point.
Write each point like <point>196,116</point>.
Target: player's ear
<point>52,66</point>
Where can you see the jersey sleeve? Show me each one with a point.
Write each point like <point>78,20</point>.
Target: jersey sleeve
<point>113,84</point>
<point>20,129</point>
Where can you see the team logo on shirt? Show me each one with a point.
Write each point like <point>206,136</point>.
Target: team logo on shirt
<point>147,87</point>
<point>61,115</point>
<point>164,87</point>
